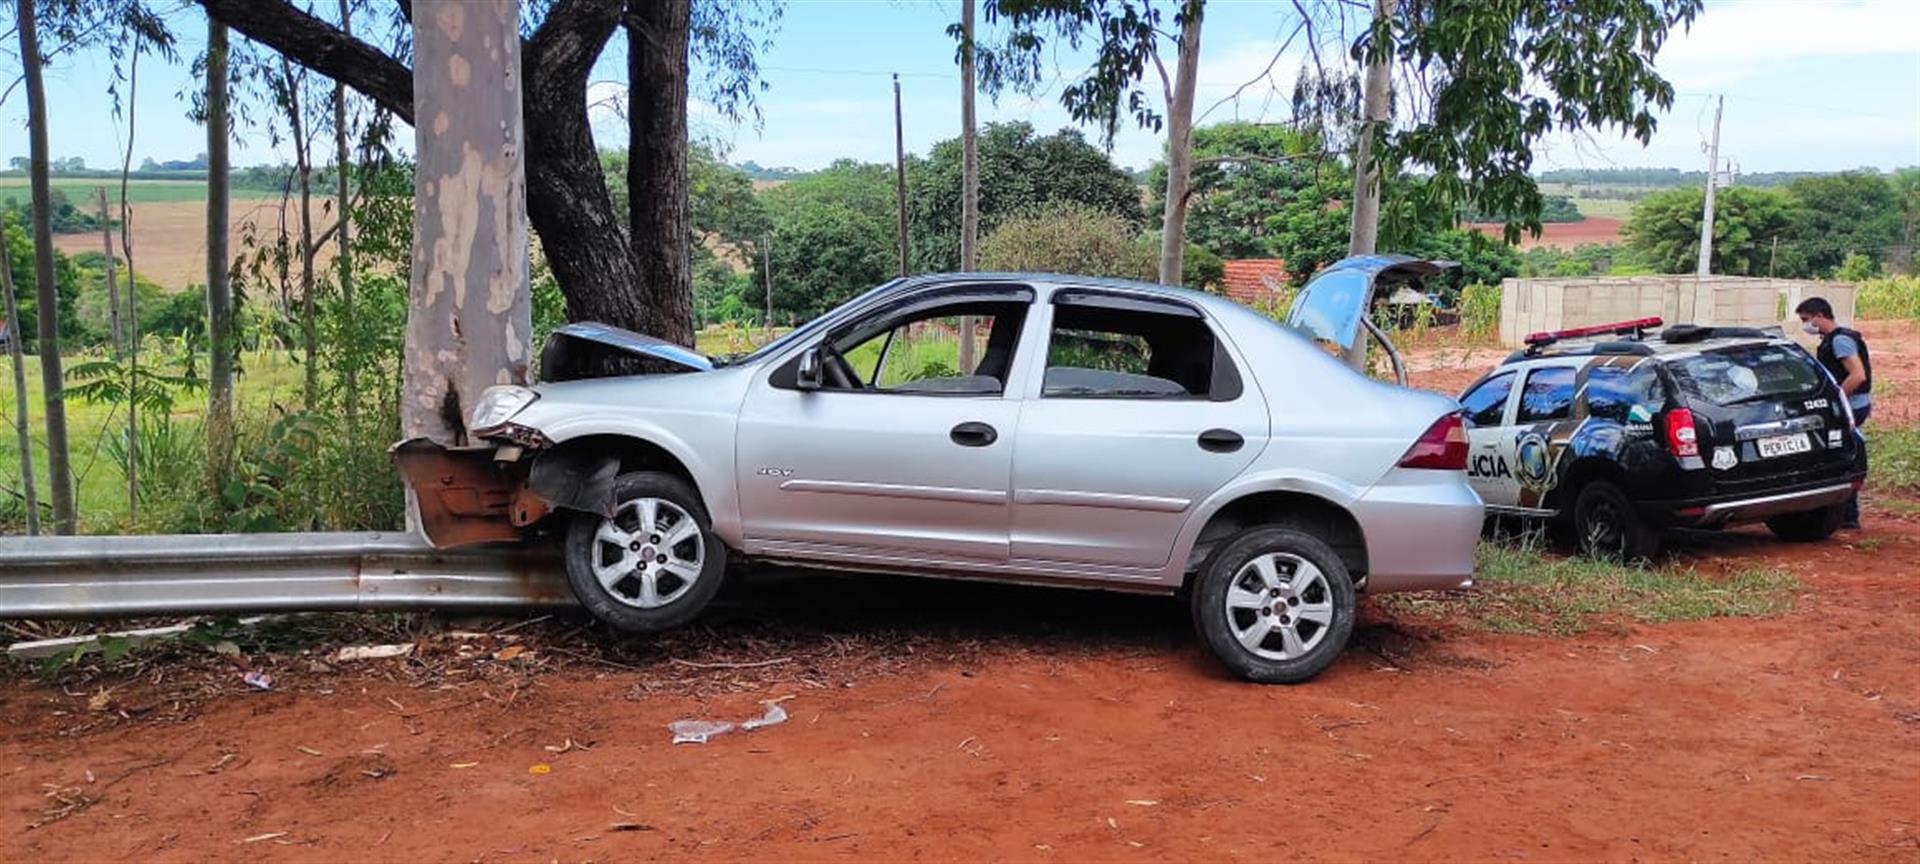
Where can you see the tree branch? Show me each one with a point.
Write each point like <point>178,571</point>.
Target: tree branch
<point>322,47</point>
<point>570,39</point>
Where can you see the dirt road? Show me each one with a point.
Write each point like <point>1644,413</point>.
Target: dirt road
<point>945,721</point>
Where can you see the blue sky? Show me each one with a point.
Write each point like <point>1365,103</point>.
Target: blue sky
<point>1809,86</point>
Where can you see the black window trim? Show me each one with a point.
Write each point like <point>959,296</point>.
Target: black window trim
<point>1504,403</point>
<point>786,375</point>
<point>1224,385</point>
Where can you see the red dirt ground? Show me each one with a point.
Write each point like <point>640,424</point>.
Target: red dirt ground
<point>1563,235</point>
<point>947,721</point>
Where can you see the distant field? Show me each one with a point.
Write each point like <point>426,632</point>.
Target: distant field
<point>170,237</point>
<point>1612,202</point>
<point>1565,235</point>
<point>80,190</point>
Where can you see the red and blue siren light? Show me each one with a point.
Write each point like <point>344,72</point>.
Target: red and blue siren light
<point>1548,337</point>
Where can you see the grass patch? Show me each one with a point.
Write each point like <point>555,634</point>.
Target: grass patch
<point>80,190</point>
<point>1893,459</point>
<point>1525,590</point>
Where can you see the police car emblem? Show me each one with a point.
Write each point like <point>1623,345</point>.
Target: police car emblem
<point>1531,458</point>
<point>1724,458</point>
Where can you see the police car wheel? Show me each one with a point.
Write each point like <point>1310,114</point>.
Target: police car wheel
<point>1807,526</point>
<point>1608,528</point>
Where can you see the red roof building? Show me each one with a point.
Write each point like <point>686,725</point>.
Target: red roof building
<point>1253,281</point>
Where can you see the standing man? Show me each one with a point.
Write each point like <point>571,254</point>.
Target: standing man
<point>1844,352</point>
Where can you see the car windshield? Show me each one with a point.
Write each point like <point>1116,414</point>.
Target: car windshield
<point>1748,373</point>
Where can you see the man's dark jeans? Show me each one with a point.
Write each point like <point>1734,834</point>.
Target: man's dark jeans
<point>1850,515</point>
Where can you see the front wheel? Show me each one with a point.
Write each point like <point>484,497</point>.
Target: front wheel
<point>652,565</point>
<point>1807,526</point>
<point>1608,528</point>
<point>1275,605</point>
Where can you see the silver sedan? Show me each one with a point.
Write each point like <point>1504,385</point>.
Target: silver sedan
<point>1028,428</point>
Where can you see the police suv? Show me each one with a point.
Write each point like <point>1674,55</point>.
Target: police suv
<point>1617,433</point>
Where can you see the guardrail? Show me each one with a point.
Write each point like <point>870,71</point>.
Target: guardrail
<point>102,577</point>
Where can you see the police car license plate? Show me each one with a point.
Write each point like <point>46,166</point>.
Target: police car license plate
<point>1783,445</point>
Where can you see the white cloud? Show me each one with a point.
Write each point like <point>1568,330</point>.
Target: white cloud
<point>1731,42</point>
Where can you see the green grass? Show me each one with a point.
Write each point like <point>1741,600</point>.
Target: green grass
<point>1524,590</point>
<point>80,190</point>
<point>1594,208</point>
<point>1890,298</point>
<point>1893,458</point>
<point>100,488</point>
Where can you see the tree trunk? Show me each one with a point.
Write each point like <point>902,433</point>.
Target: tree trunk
<point>113,283</point>
<point>567,198</point>
<point>657,222</point>
<point>20,409</point>
<point>469,317</point>
<point>133,289</point>
<point>59,474</point>
<point>303,174</point>
<point>350,371</point>
<point>220,337</point>
<point>1173,231</point>
<point>969,181</point>
<point>1365,233</point>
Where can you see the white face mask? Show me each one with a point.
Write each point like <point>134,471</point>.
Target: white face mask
<point>1811,328</point>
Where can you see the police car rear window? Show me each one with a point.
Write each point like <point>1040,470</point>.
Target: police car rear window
<point>1747,373</point>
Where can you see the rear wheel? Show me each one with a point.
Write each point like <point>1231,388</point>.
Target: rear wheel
<point>652,565</point>
<point>1807,526</point>
<point>1275,605</point>
<point>1608,528</point>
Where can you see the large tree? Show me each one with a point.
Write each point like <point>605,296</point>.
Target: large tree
<point>1664,231</point>
<point>59,474</point>
<point>1019,171</point>
<point>638,284</point>
<point>1850,213</point>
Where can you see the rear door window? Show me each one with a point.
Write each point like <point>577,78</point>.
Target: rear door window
<point>1748,373</point>
<point>1486,405</point>
<point>1613,392</point>
<point>1548,395</point>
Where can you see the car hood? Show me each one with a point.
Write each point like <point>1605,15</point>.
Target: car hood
<point>571,350</point>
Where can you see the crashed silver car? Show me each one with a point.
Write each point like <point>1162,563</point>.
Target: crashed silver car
<point>1041,429</point>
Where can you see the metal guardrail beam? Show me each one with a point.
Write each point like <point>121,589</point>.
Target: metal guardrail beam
<point>104,577</point>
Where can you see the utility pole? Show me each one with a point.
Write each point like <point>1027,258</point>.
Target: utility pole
<point>1705,267</point>
<point>766,258</point>
<point>969,180</point>
<point>900,172</point>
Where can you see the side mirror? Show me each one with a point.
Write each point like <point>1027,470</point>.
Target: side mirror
<point>807,377</point>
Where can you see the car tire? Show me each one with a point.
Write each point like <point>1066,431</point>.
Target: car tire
<point>1807,526</point>
<point>654,564</point>
<point>1607,527</point>
<point>1276,605</point>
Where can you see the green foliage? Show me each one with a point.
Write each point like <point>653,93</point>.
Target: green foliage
<point>1587,259</point>
<point>1310,229</point>
<point>1019,171</point>
<point>1853,212</point>
<point>66,218</point>
<point>1894,297</point>
<point>833,237</point>
<point>67,279</point>
<point>1483,260</point>
<point>1479,306</point>
<point>1857,267</point>
<point>1070,238</point>
<point>1201,268</point>
<point>1665,231</point>
<point>1553,208</point>
<point>1243,174</point>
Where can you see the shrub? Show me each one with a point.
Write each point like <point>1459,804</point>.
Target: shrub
<point>1070,238</point>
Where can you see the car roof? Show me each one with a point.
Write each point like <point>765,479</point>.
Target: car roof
<point>930,280</point>
<point>1652,346</point>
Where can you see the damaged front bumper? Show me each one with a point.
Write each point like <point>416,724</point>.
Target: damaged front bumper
<point>500,489</point>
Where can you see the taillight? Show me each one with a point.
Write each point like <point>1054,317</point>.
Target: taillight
<point>1443,447</point>
<point>1682,438</point>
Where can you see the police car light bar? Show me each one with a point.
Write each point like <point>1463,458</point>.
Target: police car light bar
<point>1548,337</point>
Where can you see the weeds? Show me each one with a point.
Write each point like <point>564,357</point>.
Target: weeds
<point>1522,589</point>
<point>1479,311</point>
<point>1894,297</point>
<point>1894,459</point>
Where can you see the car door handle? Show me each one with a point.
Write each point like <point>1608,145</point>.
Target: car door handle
<point>1221,441</point>
<point>973,434</point>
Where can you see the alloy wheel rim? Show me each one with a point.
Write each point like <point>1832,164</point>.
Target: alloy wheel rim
<point>649,553</point>
<point>1604,534</point>
<point>1279,606</point>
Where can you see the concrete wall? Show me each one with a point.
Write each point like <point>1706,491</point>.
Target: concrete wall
<point>1532,305</point>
